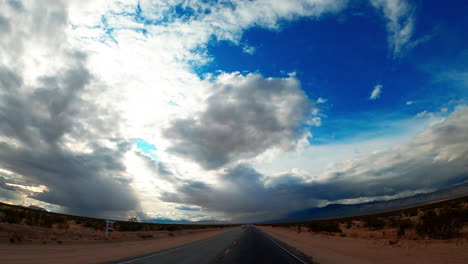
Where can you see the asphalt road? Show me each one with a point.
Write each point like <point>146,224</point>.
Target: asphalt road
<point>243,245</point>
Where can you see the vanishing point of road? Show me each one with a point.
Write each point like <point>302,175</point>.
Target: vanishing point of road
<point>243,245</point>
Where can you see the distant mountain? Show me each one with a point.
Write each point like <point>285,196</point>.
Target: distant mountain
<point>35,208</point>
<point>344,210</point>
<point>210,222</point>
<point>163,220</point>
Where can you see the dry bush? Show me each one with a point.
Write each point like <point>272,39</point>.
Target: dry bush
<point>349,224</point>
<point>402,226</point>
<point>325,226</point>
<point>96,224</point>
<point>446,224</point>
<point>374,222</point>
<point>63,226</point>
<point>145,236</point>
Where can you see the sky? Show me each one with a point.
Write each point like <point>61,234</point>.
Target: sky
<point>229,110</point>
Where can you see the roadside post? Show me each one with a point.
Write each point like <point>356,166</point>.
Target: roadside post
<point>109,226</point>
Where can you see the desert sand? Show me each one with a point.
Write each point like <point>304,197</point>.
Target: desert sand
<point>96,251</point>
<point>333,249</point>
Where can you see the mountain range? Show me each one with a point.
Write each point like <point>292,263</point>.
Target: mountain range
<point>344,210</point>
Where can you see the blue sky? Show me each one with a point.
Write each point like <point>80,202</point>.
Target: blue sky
<point>229,110</point>
<point>341,58</point>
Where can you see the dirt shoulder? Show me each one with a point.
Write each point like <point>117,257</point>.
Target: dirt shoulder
<point>98,251</point>
<point>331,249</point>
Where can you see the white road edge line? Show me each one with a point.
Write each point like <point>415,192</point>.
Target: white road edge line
<point>168,250</point>
<point>287,251</point>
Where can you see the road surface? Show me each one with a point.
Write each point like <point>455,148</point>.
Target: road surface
<point>243,245</point>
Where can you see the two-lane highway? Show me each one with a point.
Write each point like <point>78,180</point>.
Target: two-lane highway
<point>243,245</point>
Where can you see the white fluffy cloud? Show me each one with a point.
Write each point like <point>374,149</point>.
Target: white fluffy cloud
<point>400,23</point>
<point>376,92</point>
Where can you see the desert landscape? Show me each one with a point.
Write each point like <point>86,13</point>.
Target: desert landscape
<point>29,234</point>
<point>432,233</point>
<point>233,131</point>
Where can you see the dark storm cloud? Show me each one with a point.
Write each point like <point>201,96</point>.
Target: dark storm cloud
<point>34,126</point>
<point>244,117</point>
<point>51,132</point>
<point>3,185</point>
<point>8,195</point>
<point>435,159</point>
<point>241,194</point>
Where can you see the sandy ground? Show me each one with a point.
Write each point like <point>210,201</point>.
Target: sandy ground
<point>99,250</point>
<point>330,249</point>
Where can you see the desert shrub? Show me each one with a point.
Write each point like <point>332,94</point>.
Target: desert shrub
<point>13,216</point>
<point>374,222</point>
<point>129,226</point>
<point>463,215</point>
<point>412,212</point>
<point>47,221</point>
<point>394,221</point>
<point>349,224</point>
<point>59,219</point>
<point>13,219</point>
<point>95,224</point>
<point>172,227</point>
<point>402,226</point>
<point>145,236</point>
<point>446,224</point>
<point>32,219</point>
<point>328,226</point>
<point>63,226</point>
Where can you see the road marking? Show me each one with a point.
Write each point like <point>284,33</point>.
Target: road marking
<point>287,251</point>
<point>169,250</point>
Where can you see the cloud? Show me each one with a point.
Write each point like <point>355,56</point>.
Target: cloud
<point>436,158</point>
<point>34,144</point>
<point>248,49</point>
<point>241,195</point>
<point>50,128</point>
<point>399,15</point>
<point>244,116</point>
<point>376,92</point>
<point>79,81</point>
<point>188,208</point>
<point>5,186</point>
<point>321,100</point>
